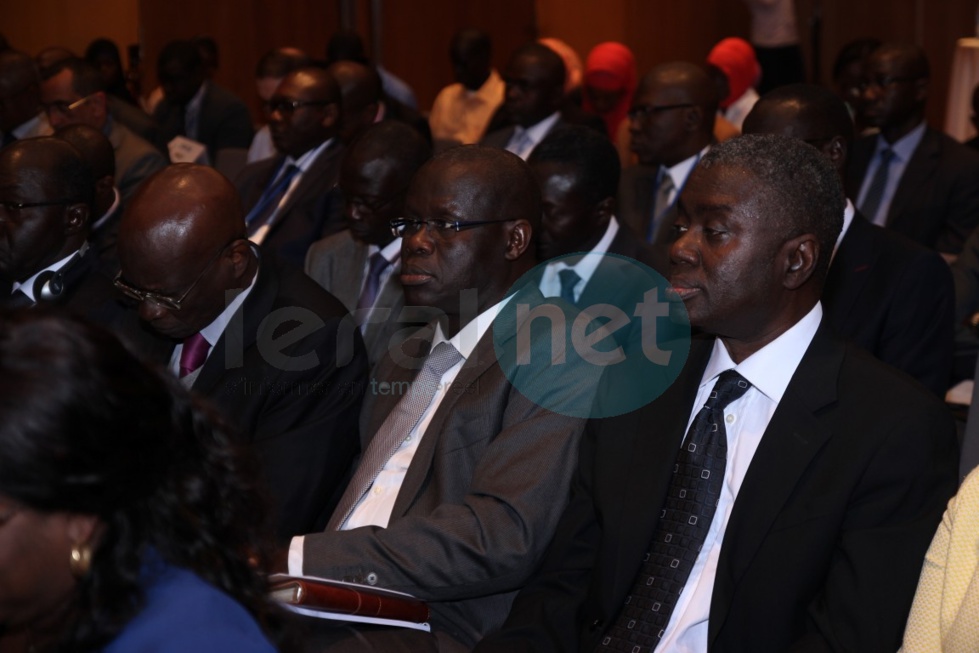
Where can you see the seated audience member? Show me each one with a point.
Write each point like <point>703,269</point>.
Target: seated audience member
<point>360,97</point>
<point>455,496</point>
<point>96,151</point>
<point>573,68</point>
<point>534,96</point>
<point>909,177</point>
<point>670,125</point>
<point>943,615</point>
<point>462,110</point>
<point>848,78</point>
<point>74,94</point>
<point>736,59</point>
<point>271,70</point>
<point>129,523</point>
<point>610,82</point>
<point>346,45</point>
<point>809,500</point>
<point>198,109</point>
<point>46,205</point>
<point>884,292</point>
<point>578,173</point>
<point>104,55</point>
<point>263,343</point>
<point>20,86</point>
<point>290,200</point>
<point>361,265</point>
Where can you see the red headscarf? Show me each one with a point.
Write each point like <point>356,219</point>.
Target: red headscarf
<point>611,67</point>
<point>737,59</point>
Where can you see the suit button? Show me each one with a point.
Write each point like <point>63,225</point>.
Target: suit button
<point>596,625</point>
<point>372,578</point>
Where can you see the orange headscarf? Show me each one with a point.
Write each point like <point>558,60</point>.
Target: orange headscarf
<point>610,66</point>
<point>737,59</point>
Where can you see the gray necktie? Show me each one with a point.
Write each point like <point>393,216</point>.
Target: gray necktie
<point>569,279</point>
<point>395,429</point>
<point>662,204</point>
<point>875,192</point>
<point>519,141</point>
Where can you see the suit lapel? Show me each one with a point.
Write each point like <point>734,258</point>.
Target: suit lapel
<point>316,179</point>
<point>798,430</point>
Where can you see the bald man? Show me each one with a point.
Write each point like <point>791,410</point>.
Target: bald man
<point>888,294</point>
<point>909,177</point>
<point>671,126</point>
<point>263,344</point>
<point>457,508</point>
<point>20,110</point>
<point>534,95</point>
<point>290,200</point>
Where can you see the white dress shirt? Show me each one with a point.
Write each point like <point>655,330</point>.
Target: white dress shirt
<point>903,149</point>
<point>769,371</point>
<point>374,508</point>
<point>27,287</point>
<point>584,266</point>
<point>523,141</point>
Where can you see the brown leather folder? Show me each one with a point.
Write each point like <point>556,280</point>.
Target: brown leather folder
<point>343,598</point>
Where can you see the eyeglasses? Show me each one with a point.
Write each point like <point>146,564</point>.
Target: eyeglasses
<point>643,111</point>
<point>64,108</point>
<point>410,226</point>
<point>288,107</point>
<point>363,203</point>
<point>13,207</point>
<point>166,301</point>
<point>883,81</point>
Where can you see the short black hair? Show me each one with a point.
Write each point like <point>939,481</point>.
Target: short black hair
<point>184,53</point>
<point>591,154</point>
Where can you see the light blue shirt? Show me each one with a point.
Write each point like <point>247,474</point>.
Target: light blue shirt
<point>903,149</point>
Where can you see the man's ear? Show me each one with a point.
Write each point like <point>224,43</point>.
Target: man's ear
<point>836,151</point>
<point>518,240</point>
<point>240,252</point>
<point>604,211</point>
<point>76,218</point>
<point>331,115</point>
<point>800,255</point>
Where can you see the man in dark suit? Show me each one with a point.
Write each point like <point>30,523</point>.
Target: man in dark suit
<point>291,200</point>
<point>361,265</point>
<point>671,125</point>
<point>47,196</point>
<point>534,95</point>
<point>264,344</point>
<point>886,293</point>
<point>795,513</point>
<point>455,503</point>
<point>909,177</point>
<point>20,112</point>
<point>197,108</point>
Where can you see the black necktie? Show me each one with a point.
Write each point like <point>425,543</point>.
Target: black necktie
<point>875,192</point>
<point>270,200</point>
<point>691,501</point>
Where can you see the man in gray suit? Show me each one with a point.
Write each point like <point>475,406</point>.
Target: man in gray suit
<point>361,265</point>
<point>458,508</point>
<point>75,95</point>
<point>671,125</point>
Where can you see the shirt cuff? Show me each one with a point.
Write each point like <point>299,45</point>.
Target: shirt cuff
<point>296,556</point>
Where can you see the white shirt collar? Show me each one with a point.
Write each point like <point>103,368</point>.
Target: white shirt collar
<point>108,214</point>
<point>680,171</point>
<point>29,128</point>
<point>538,131</point>
<point>848,214</point>
<point>770,368</point>
<point>905,146</point>
<point>213,331</point>
<point>584,265</point>
<point>27,287</point>
<point>306,159</point>
<point>467,338</point>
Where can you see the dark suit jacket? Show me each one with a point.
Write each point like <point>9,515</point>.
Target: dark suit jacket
<point>297,409</point>
<point>637,194</point>
<point>500,137</point>
<point>224,121</point>
<point>477,506</point>
<point>937,200</point>
<point>895,299</point>
<point>825,541</point>
<point>314,209</point>
<point>337,264</point>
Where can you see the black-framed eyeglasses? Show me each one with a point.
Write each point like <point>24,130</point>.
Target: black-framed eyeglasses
<point>64,108</point>
<point>408,226</point>
<point>288,107</point>
<point>643,111</point>
<point>167,301</point>
<point>13,207</point>
<point>362,203</point>
<point>883,81</point>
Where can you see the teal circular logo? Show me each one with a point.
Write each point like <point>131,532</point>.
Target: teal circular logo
<point>609,344</point>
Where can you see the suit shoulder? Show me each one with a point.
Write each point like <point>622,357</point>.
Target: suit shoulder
<point>297,289</point>
<point>333,245</point>
<point>222,97</point>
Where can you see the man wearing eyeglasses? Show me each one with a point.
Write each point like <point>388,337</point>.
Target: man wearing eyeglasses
<point>265,344</point>
<point>290,200</point>
<point>361,265</point>
<point>671,126</point>
<point>75,95</point>
<point>909,177</point>
<point>20,99</point>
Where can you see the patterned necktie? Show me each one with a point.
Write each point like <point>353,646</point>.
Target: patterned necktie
<point>662,203</point>
<point>569,279</point>
<point>372,285</point>
<point>193,354</point>
<point>267,204</point>
<point>691,501</point>
<point>875,192</point>
<point>398,425</point>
